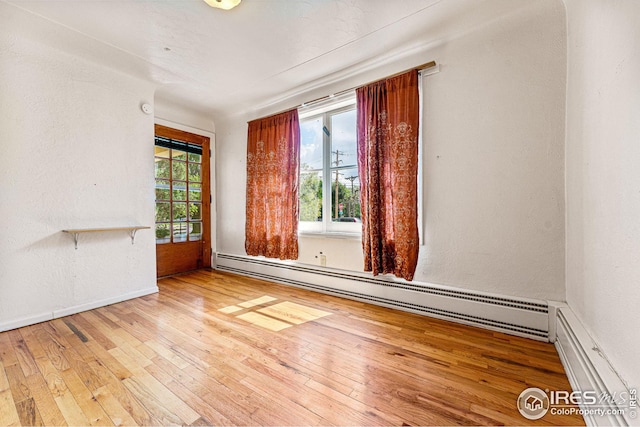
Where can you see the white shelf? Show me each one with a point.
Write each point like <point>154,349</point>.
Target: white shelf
<point>77,231</point>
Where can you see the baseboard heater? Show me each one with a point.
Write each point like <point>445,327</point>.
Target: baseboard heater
<point>589,370</point>
<point>517,316</point>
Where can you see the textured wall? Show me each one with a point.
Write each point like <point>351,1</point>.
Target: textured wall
<point>493,162</point>
<point>603,176</point>
<point>494,158</point>
<point>75,151</point>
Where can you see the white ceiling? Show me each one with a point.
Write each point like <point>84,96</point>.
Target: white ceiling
<point>259,53</point>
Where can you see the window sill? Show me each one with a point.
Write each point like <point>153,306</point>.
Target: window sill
<point>330,235</point>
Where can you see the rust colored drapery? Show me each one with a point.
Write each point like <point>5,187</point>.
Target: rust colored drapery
<point>273,162</point>
<point>388,118</point>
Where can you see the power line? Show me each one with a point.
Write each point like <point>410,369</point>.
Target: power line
<point>352,196</point>
<point>338,153</point>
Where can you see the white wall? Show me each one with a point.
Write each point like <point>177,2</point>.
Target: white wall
<point>493,161</point>
<point>493,174</point>
<point>76,151</point>
<point>167,109</point>
<point>603,176</point>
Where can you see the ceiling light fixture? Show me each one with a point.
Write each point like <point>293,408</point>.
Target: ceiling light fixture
<point>223,4</point>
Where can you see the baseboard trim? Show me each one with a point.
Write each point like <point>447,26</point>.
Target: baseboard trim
<point>25,321</point>
<point>517,316</point>
<point>589,370</point>
<point>31,320</point>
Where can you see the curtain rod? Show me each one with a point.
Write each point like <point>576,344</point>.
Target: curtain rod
<point>429,64</point>
<point>422,67</point>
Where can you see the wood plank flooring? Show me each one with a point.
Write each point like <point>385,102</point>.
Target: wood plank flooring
<point>218,349</point>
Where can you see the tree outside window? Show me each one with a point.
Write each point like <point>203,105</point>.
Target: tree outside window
<point>329,184</point>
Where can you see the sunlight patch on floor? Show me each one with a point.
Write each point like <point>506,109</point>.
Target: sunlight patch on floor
<point>258,301</point>
<point>293,313</point>
<point>264,321</point>
<point>274,317</point>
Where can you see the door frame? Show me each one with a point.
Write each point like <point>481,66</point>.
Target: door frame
<point>205,143</point>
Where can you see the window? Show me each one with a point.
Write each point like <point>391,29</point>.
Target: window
<point>329,184</point>
<point>178,191</point>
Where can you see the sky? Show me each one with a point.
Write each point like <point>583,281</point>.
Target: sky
<point>343,130</point>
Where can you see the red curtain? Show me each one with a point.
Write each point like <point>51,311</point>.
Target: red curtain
<point>273,162</point>
<point>388,118</point>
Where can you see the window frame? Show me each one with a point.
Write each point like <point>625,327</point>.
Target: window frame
<point>175,149</point>
<point>327,227</point>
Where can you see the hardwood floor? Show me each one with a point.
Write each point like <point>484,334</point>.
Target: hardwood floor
<point>217,349</point>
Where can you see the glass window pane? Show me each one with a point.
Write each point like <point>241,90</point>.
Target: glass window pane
<point>348,195</point>
<point>310,196</point>
<point>311,144</point>
<point>195,158</point>
<point>180,232</point>
<point>179,211</point>
<point>195,211</point>
<point>163,233</point>
<point>162,168</point>
<point>162,190</point>
<point>179,190</point>
<point>179,171</point>
<point>163,212</point>
<point>343,139</point>
<point>195,231</point>
<point>179,155</point>
<point>162,152</point>
<point>195,192</point>
<point>195,174</point>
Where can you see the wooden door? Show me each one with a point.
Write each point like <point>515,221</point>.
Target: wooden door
<point>183,201</point>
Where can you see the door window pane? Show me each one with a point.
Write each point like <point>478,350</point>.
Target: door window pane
<point>163,212</point>
<point>195,211</point>
<point>162,168</point>
<point>195,174</point>
<point>195,192</point>
<point>179,211</point>
<point>179,232</point>
<point>179,190</point>
<point>162,190</point>
<point>179,155</point>
<point>162,152</point>
<point>163,233</point>
<point>195,231</point>
<point>195,158</point>
<point>179,171</point>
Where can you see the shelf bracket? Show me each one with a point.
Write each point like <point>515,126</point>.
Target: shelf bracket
<point>132,233</point>
<point>75,239</point>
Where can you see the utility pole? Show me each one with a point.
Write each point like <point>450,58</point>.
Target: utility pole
<point>337,163</point>
<point>352,197</point>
